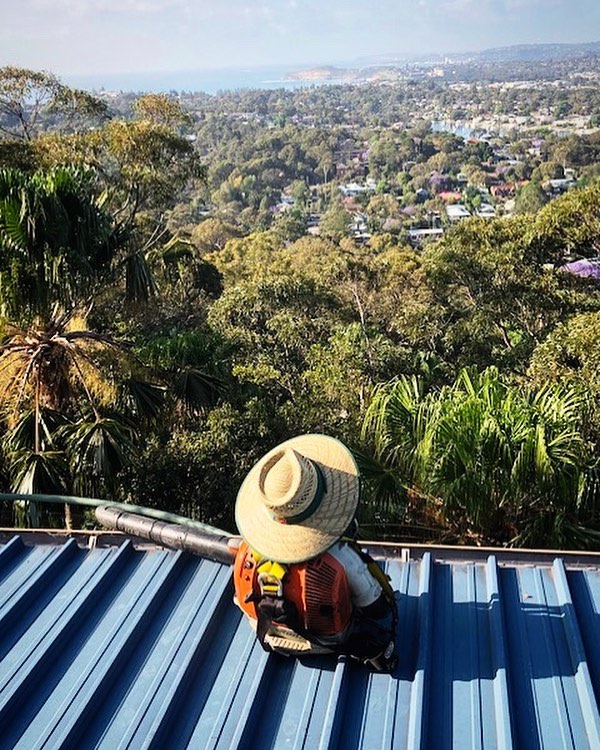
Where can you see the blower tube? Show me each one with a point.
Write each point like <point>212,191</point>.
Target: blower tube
<point>213,546</point>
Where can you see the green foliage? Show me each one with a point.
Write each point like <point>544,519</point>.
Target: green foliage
<point>273,323</point>
<point>569,225</point>
<point>246,330</point>
<point>197,471</point>
<point>530,198</point>
<point>351,355</point>
<point>139,281</point>
<point>57,241</point>
<point>571,354</point>
<point>196,348</point>
<point>160,109</point>
<point>191,365</point>
<point>39,472</point>
<point>335,223</point>
<point>100,449</point>
<point>143,399</point>
<point>486,298</point>
<point>212,235</point>
<point>289,228</point>
<point>29,97</point>
<point>492,461</point>
<point>246,257</point>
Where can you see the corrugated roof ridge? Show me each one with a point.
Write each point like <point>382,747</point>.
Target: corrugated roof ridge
<point>167,689</point>
<point>418,694</point>
<point>578,655</point>
<point>492,655</point>
<point>38,656</point>
<point>380,550</point>
<point>504,736</point>
<point>69,716</point>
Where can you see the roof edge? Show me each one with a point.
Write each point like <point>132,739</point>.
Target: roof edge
<point>92,538</point>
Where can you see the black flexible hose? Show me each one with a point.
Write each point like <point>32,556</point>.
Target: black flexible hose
<point>214,546</point>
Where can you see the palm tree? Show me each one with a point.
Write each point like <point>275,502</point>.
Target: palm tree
<point>57,242</point>
<point>492,461</point>
<point>58,381</point>
<point>58,246</point>
<point>190,364</point>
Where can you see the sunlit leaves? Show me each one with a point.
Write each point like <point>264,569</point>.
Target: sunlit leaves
<point>160,109</point>
<point>502,462</point>
<point>57,383</point>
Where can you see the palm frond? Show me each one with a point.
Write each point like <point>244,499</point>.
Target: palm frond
<point>44,472</point>
<point>493,453</point>
<point>139,281</point>
<point>22,435</point>
<point>145,399</point>
<point>99,450</point>
<point>197,390</point>
<point>383,489</point>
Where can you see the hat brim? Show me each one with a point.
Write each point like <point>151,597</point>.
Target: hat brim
<point>290,543</point>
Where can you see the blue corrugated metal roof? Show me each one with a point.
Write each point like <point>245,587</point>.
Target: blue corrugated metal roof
<point>118,647</point>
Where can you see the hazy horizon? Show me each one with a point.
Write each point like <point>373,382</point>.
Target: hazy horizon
<point>75,38</point>
<point>212,80</point>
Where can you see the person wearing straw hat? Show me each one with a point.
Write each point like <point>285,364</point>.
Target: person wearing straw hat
<point>294,509</point>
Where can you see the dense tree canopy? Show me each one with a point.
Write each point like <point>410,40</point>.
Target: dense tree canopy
<point>187,280</point>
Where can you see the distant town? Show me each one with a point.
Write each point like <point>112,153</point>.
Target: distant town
<point>406,149</point>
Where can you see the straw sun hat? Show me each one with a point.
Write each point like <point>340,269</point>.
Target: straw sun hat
<point>298,499</point>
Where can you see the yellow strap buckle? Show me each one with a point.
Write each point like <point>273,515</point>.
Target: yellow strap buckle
<point>270,577</point>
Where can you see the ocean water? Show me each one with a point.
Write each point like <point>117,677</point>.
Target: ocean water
<point>209,81</point>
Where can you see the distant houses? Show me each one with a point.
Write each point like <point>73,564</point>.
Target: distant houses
<point>422,208</point>
<point>457,211</point>
<point>486,211</point>
<point>558,186</point>
<point>450,196</point>
<point>418,236</point>
<point>353,189</point>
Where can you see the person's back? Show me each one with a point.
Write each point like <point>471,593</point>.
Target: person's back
<point>295,577</point>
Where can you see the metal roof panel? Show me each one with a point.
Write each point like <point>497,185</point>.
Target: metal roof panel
<point>119,647</point>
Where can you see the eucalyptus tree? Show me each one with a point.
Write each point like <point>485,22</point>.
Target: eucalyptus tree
<point>145,163</point>
<point>31,100</point>
<point>485,296</point>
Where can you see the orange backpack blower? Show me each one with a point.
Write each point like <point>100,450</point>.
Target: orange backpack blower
<point>304,598</point>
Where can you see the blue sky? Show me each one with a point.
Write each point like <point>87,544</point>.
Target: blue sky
<point>112,36</point>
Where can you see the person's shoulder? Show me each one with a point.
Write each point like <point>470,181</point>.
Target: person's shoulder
<point>344,551</point>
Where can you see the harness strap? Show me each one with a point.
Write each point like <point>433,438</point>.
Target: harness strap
<point>271,604</point>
